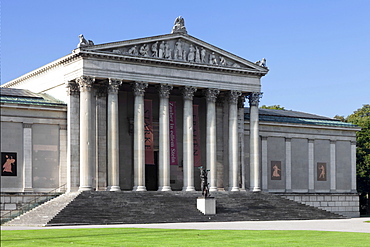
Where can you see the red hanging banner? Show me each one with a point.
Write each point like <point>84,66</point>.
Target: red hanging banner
<point>148,132</point>
<point>173,139</point>
<point>196,136</point>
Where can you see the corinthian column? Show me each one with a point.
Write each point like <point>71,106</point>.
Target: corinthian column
<point>113,135</point>
<point>139,140</point>
<point>211,95</point>
<point>255,177</point>
<point>86,133</point>
<point>164,140</point>
<point>233,140</point>
<point>73,139</point>
<point>188,150</point>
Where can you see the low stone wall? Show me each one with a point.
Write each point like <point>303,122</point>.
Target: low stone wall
<point>10,201</point>
<point>343,204</point>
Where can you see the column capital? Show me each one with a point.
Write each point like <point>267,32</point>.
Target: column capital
<point>254,98</point>
<point>188,92</point>
<point>211,94</point>
<point>72,88</point>
<point>233,96</point>
<point>113,85</point>
<point>139,88</point>
<point>85,82</point>
<point>164,90</point>
<point>27,125</point>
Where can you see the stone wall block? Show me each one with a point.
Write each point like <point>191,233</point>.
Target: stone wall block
<point>313,198</point>
<point>328,198</point>
<point>10,206</point>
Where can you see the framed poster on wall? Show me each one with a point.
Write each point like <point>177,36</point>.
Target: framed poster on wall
<point>8,164</point>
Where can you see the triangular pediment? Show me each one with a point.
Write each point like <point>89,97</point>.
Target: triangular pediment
<point>177,48</point>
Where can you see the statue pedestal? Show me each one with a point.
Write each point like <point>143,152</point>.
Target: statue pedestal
<point>206,205</point>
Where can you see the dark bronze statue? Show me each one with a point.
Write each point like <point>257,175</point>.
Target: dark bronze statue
<point>204,183</point>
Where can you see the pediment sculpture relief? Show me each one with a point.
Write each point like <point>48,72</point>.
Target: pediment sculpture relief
<point>178,50</point>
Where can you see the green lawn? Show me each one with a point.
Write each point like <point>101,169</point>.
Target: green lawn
<point>163,237</point>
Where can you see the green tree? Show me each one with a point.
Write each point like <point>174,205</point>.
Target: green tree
<point>361,118</point>
<point>274,107</point>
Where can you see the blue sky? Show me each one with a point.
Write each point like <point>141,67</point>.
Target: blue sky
<point>318,51</point>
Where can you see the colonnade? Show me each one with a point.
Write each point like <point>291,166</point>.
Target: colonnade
<point>87,136</point>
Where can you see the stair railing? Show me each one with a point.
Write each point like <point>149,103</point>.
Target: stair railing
<point>33,203</point>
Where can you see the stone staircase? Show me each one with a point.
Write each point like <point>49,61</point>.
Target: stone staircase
<point>41,215</point>
<point>167,207</point>
<point>101,207</point>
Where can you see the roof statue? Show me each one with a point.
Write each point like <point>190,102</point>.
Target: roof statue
<point>262,62</point>
<point>179,26</point>
<point>84,42</point>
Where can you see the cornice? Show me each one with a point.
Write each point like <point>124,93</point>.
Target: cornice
<point>158,61</point>
<point>49,66</point>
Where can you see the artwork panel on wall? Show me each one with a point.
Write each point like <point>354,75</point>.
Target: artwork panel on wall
<point>275,170</point>
<point>8,164</point>
<point>321,171</point>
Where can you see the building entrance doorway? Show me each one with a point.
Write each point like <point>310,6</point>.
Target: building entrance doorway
<point>151,174</point>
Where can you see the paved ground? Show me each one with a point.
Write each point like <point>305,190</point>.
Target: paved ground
<point>343,225</point>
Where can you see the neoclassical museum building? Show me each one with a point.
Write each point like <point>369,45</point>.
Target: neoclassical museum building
<point>147,114</point>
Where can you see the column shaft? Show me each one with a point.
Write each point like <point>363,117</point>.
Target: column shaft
<point>311,160</point>
<point>353,167</point>
<point>63,156</point>
<point>265,166</point>
<point>86,133</point>
<point>164,138</point>
<point>73,138</point>
<point>211,95</point>
<point>255,174</point>
<point>233,141</point>
<point>188,148</point>
<point>333,172</point>
<point>113,136</point>
<point>101,138</point>
<point>139,138</point>
<point>27,158</point>
<point>288,164</point>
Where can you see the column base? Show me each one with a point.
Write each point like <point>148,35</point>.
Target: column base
<point>113,188</point>
<point>85,188</point>
<point>27,189</point>
<point>256,189</point>
<point>139,188</point>
<point>188,189</point>
<point>164,188</point>
<point>235,189</point>
<point>213,189</point>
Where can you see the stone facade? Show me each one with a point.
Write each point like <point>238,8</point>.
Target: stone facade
<point>343,204</point>
<point>114,133</point>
